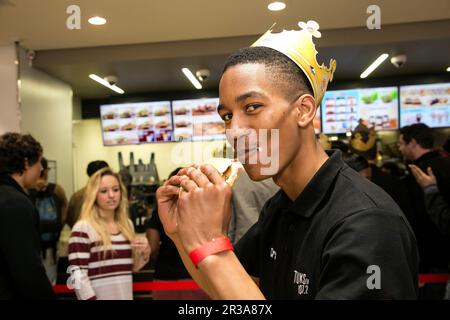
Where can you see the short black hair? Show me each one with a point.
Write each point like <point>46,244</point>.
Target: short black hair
<point>96,165</point>
<point>15,149</point>
<point>422,133</point>
<point>282,69</point>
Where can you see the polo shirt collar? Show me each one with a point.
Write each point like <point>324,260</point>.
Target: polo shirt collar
<point>307,202</point>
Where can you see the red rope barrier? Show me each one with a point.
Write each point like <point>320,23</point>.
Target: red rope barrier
<point>433,278</point>
<point>146,286</point>
<point>191,285</point>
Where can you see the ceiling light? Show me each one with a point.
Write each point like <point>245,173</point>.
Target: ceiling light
<point>106,83</point>
<point>276,6</point>
<point>191,78</point>
<point>448,69</point>
<point>98,21</point>
<point>374,65</point>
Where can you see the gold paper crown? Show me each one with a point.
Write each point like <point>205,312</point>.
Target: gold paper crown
<point>298,45</point>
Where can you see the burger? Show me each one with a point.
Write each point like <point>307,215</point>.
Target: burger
<point>228,168</point>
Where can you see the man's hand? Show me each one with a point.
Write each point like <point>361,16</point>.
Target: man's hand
<point>204,206</point>
<point>421,177</point>
<point>167,197</point>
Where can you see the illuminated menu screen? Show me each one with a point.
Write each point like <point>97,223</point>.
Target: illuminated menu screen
<point>429,104</point>
<point>134,123</point>
<point>197,120</point>
<point>377,107</point>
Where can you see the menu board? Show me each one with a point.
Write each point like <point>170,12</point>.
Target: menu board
<point>377,107</point>
<point>429,104</point>
<point>197,120</point>
<point>133,123</point>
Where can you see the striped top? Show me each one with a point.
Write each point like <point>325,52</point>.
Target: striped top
<point>102,276</point>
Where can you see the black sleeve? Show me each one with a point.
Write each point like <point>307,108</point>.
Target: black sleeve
<point>20,245</point>
<point>154,222</point>
<point>369,255</point>
<point>439,211</point>
<point>248,250</point>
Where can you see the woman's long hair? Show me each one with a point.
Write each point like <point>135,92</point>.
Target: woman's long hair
<point>90,212</point>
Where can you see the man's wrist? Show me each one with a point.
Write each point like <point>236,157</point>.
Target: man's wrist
<point>215,246</point>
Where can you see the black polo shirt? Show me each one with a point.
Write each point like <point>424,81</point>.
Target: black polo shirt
<point>342,238</point>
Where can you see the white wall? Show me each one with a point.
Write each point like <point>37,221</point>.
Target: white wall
<point>9,106</point>
<point>88,146</point>
<point>47,115</point>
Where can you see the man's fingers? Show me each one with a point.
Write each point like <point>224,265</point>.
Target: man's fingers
<point>213,175</point>
<point>167,192</point>
<point>416,170</point>
<point>430,172</point>
<point>175,180</point>
<point>188,185</point>
<point>198,177</point>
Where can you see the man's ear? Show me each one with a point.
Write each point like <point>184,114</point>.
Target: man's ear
<point>306,106</point>
<point>413,142</point>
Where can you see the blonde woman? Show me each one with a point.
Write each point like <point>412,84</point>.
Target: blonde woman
<point>103,249</point>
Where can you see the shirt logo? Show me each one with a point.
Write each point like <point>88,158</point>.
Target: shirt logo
<point>302,281</point>
<point>273,254</point>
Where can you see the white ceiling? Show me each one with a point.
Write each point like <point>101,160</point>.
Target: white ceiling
<point>146,42</point>
<point>41,24</point>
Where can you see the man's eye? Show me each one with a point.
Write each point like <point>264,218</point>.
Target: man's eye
<point>227,117</point>
<point>252,107</point>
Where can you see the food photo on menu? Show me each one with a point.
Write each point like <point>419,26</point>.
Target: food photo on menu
<point>132,123</point>
<point>427,103</point>
<point>197,120</point>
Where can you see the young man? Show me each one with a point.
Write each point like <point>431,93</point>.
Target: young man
<point>327,234</point>
<point>22,275</point>
<point>416,144</point>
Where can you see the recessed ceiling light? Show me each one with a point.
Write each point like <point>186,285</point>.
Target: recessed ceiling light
<point>374,65</point>
<point>276,6</point>
<point>98,21</point>
<point>188,73</point>
<point>106,83</point>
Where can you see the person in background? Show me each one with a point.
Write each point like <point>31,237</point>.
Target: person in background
<point>76,201</point>
<point>416,144</point>
<point>73,213</point>
<point>51,202</point>
<point>103,245</point>
<point>168,264</point>
<point>247,202</point>
<point>435,204</point>
<point>437,208</point>
<point>22,274</point>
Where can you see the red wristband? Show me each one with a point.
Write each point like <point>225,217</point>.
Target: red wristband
<point>211,247</point>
